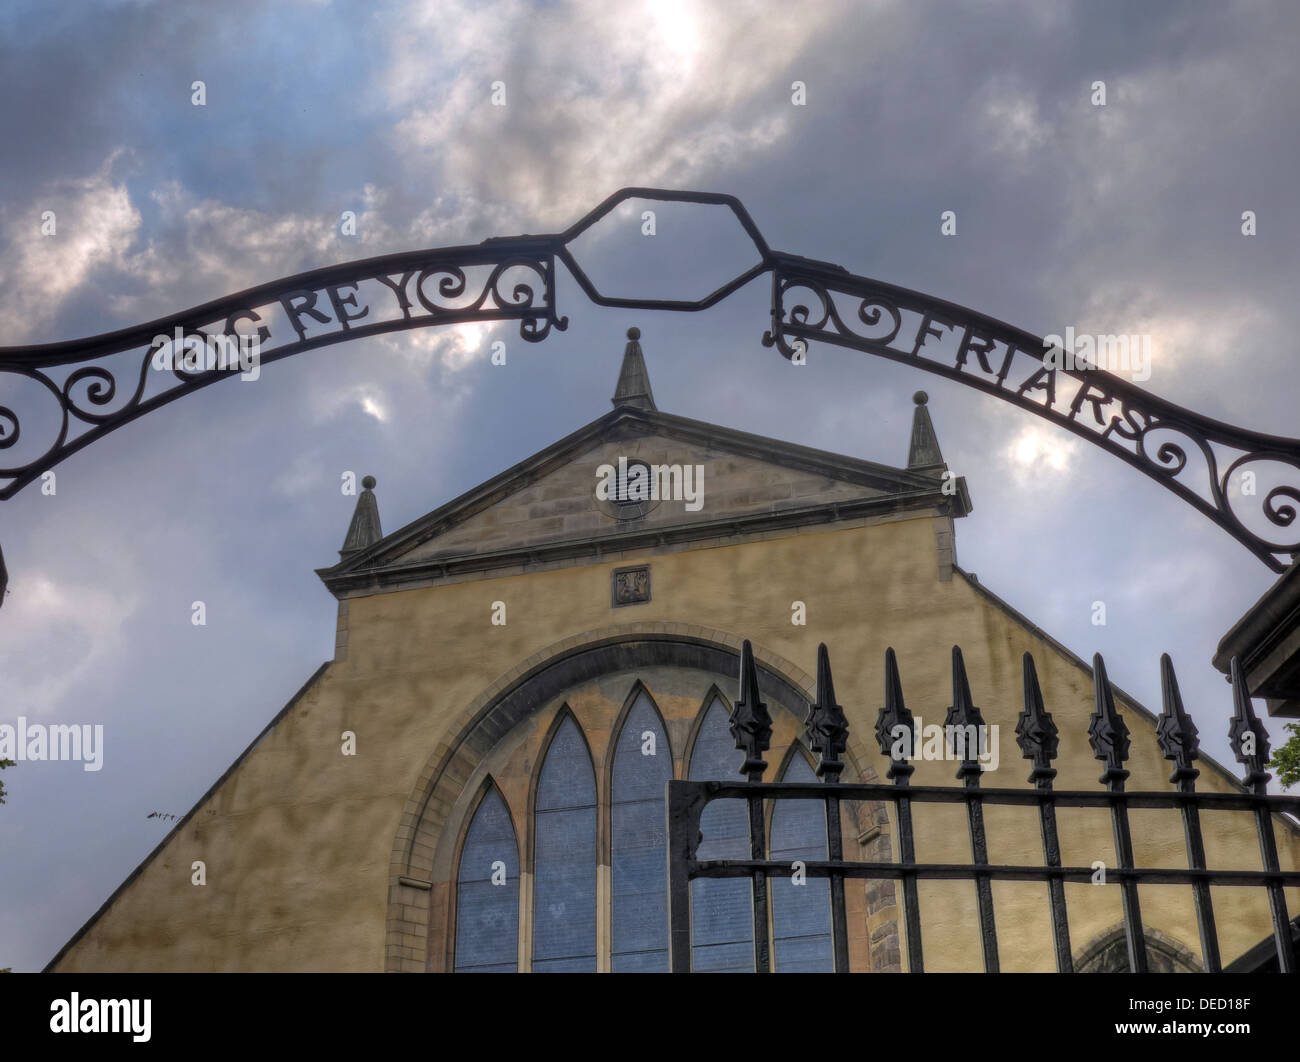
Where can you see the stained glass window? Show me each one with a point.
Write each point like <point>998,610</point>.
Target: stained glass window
<point>722,919</point>
<point>801,913</point>
<point>565,858</point>
<point>564,871</point>
<point>643,763</point>
<point>487,892</point>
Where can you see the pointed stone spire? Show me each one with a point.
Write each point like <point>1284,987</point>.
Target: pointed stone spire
<point>923,454</point>
<point>364,530</point>
<point>633,381</point>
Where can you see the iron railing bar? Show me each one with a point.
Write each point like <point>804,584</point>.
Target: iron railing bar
<point>963,724</point>
<point>1142,799</point>
<point>1179,740</point>
<point>740,868</point>
<point>839,916</point>
<point>1201,890</point>
<point>683,806</point>
<point>1039,741</point>
<point>911,899</point>
<point>1276,898</point>
<point>1250,744</point>
<point>983,883</point>
<point>758,851</point>
<point>1055,884</point>
<point>1134,937</point>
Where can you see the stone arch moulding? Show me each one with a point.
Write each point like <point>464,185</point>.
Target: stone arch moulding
<point>417,909</point>
<point>1106,953</point>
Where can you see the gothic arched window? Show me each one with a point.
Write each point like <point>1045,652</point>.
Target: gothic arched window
<point>564,856</point>
<point>643,763</point>
<point>487,891</point>
<point>722,918</point>
<point>560,848</point>
<point>801,913</point>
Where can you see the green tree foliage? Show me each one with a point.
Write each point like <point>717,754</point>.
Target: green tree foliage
<point>1286,760</point>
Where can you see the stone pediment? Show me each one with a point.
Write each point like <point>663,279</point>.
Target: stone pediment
<point>724,483</point>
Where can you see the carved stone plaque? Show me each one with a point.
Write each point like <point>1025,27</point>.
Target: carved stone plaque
<point>630,586</point>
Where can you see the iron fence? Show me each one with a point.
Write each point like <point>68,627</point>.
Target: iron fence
<point>1037,736</point>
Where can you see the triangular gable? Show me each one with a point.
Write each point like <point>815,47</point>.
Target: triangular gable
<point>730,478</point>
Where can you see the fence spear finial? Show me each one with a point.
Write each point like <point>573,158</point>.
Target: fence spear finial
<point>1036,732</point>
<point>1175,731</point>
<point>751,725</point>
<point>1107,731</point>
<point>1246,733</point>
<point>826,726</point>
<point>895,728</point>
<point>964,723</point>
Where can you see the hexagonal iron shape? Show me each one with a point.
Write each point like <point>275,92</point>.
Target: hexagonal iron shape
<point>661,262</point>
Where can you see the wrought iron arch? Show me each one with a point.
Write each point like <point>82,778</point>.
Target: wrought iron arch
<point>514,279</point>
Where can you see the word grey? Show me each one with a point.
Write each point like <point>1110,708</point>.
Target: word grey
<point>58,742</point>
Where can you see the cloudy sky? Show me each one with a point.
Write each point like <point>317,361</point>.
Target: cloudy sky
<point>1117,219</point>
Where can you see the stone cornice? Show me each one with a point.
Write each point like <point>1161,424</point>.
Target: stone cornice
<point>594,548</point>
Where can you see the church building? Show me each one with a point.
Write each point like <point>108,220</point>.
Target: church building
<point>476,781</point>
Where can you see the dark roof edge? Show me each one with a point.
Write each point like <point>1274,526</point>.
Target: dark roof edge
<point>1264,623</point>
<point>188,815</point>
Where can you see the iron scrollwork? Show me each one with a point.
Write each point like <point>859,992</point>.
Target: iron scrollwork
<point>114,379</point>
<point>817,301</point>
<point>98,384</point>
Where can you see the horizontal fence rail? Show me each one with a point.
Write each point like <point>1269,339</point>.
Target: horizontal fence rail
<point>827,732</point>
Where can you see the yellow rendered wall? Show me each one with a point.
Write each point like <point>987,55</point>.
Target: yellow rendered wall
<point>298,842</point>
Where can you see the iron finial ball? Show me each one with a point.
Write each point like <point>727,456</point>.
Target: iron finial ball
<point>368,482</point>
<point>634,333</point>
<point>920,398</point>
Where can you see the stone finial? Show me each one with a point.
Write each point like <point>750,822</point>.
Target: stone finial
<point>633,380</point>
<point>364,530</point>
<point>923,453</point>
